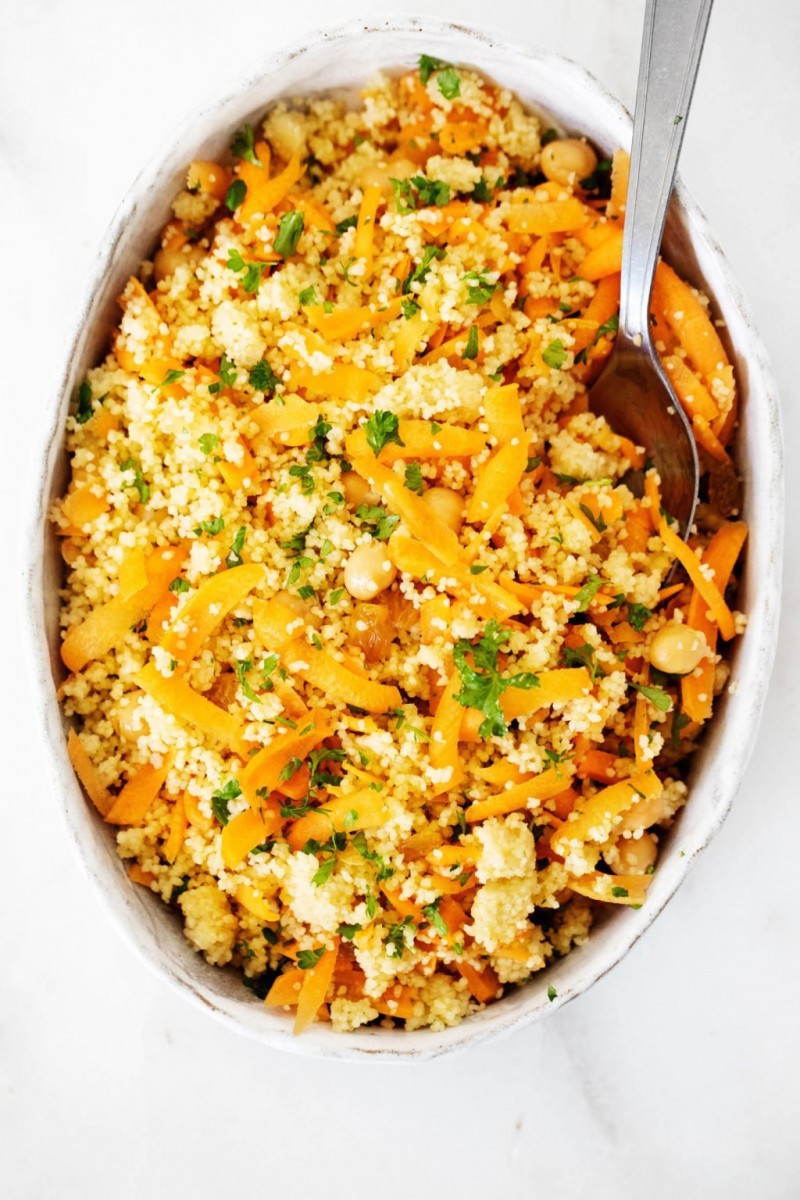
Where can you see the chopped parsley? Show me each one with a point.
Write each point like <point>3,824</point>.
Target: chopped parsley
<point>242,667</point>
<point>208,442</point>
<point>171,377</point>
<point>308,296</point>
<point>436,919</point>
<point>263,378</point>
<point>399,937</point>
<point>308,959</point>
<point>420,272</point>
<point>243,145</point>
<point>382,428</point>
<point>221,798</point>
<point>639,615</point>
<point>609,326</point>
<point>480,288</point>
<point>138,481</point>
<point>471,348</point>
<point>583,656</point>
<point>235,194</point>
<point>179,586</point>
<point>234,556</point>
<point>251,272</point>
<point>84,410</point>
<point>588,592</point>
<point>482,685</point>
<point>619,891</point>
<point>413,477</point>
<point>657,696</point>
<point>290,227</point>
<point>348,932</point>
<point>347,223</point>
<point>419,192</point>
<point>214,526</point>
<point>551,993</point>
<point>410,308</point>
<point>555,355</point>
<point>376,521</point>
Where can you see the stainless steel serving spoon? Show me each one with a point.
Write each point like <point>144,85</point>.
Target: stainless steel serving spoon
<point>633,392</point>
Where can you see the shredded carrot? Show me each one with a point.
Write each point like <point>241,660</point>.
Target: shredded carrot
<point>421,520</point>
<point>265,194</point>
<point>108,625</point>
<point>612,889</point>
<point>721,553</point>
<point>177,831</point>
<point>497,479</point>
<point>336,681</point>
<point>82,507</point>
<point>132,804</point>
<point>484,984</point>
<point>88,774</point>
<point>175,696</point>
<point>364,809</point>
<point>207,608</point>
<point>247,830</point>
<point>707,588</point>
<point>593,819</point>
<point>255,903</point>
<point>363,246</point>
<point>445,737</point>
<point>420,440</point>
<point>522,795</point>
<point>262,772</point>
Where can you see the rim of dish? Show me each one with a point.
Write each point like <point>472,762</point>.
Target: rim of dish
<point>396,1045</point>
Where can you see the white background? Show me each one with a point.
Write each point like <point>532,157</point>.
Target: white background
<point>678,1075</point>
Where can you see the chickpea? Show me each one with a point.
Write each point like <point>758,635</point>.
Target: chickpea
<point>357,490</point>
<point>127,716</point>
<point>169,258</point>
<point>381,176</point>
<point>447,505</point>
<point>677,649</point>
<point>568,160</point>
<point>632,856</point>
<point>368,571</point>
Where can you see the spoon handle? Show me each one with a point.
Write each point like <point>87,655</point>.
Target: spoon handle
<point>672,43</point>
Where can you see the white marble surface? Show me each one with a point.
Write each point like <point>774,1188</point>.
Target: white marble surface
<point>679,1073</point>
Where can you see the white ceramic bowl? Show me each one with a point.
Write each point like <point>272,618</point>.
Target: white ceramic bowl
<point>341,58</point>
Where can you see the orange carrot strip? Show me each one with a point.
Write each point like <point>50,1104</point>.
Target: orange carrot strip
<point>88,774</point>
<point>249,829</point>
<point>349,323</point>
<point>557,686</point>
<point>604,259</point>
<point>689,320</point>
<point>620,169</point>
<point>691,391</point>
<point>332,677</point>
<point>177,831</point>
<point>344,381</point>
<point>422,522</point>
<point>364,809</point>
<point>443,747</point>
<point>541,787</point>
<point>483,985</point>
<point>497,479</point>
<point>721,553</point>
<point>285,991</point>
<point>132,804</point>
<point>612,889</point>
<point>504,413</point>
<point>107,626</point>
<point>487,597</point>
<point>315,987</point>
<point>263,770</point>
<point>132,576</point>
<point>705,437</point>
<point>548,216</point>
<point>207,608</point>
<point>708,589</point>
<point>593,819</point>
<point>175,696</point>
<point>255,903</point>
<point>137,874</point>
<point>263,193</point>
<point>420,441</point>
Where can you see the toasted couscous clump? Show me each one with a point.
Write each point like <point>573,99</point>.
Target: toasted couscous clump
<point>362,617</point>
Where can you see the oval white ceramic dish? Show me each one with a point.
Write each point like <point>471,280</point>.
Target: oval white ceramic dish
<point>337,59</point>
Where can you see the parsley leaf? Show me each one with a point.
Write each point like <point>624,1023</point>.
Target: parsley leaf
<point>449,83</point>
<point>583,656</point>
<point>235,194</point>
<point>348,932</point>
<point>376,521</point>
<point>609,326</point>
<point>588,592</point>
<point>243,145</point>
<point>242,666</point>
<point>482,685</point>
<point>410,308</point>
<point>471,348</point>
<point>85,409</point>
<point>138,481</point>
<point>436,919</point>
<point>555,354</point>
<point>214,526</point>
<point>234,557</point>
<point>420,272</point>
<point>551,993</point>
<point>179,586</point>
<point>657,696</point>
<point>431,193</point>
<point>382,428</point>
<point>639,615</point>
<point>413,477</point>
<point>263,378</point>
<point>290,227</point>
<point>427,65</point>
<point>396,940</point>
<point>480,288</point>
<point>308,959</point>
<point>347,223</point>
<point>221,798</point>
<point>208,442</point>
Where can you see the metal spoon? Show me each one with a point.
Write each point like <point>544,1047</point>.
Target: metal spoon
<point>633,392</point>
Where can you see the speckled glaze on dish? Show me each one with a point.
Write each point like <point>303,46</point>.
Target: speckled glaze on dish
<point>343,58</point>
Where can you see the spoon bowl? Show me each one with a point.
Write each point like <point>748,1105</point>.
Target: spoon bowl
<point>634,396</point>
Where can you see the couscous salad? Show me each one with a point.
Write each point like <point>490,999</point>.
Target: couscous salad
<point>373,659</point>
